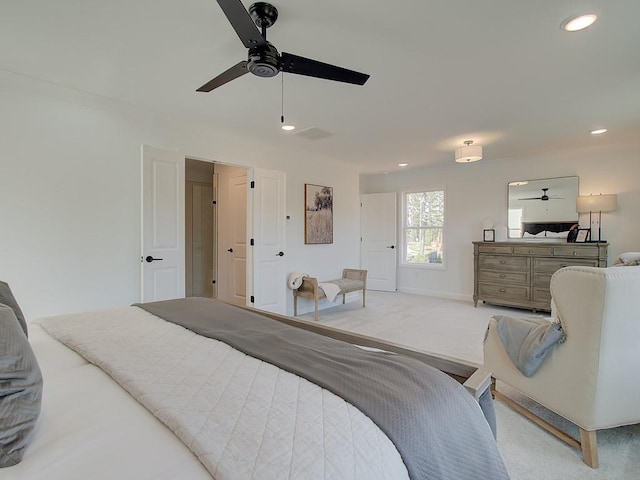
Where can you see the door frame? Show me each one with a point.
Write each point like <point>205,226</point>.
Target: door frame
<point>250,268</point>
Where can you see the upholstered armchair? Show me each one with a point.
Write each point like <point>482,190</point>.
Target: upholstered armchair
<point>592,378</point>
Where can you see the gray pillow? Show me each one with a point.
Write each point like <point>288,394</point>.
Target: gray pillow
<point>7,298</point>
<point>20,389</point>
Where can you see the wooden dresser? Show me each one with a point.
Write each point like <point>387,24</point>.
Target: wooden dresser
<point>518,273</point>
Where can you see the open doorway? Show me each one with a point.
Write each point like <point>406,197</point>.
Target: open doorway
<point>215,231</point>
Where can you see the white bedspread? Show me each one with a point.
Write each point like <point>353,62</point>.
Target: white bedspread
<point>243,418</point>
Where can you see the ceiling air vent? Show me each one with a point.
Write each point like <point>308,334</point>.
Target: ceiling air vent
<point>313,133</point>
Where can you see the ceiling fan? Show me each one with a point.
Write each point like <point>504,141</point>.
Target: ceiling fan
<point>544,196</point>
<point>264,59</point>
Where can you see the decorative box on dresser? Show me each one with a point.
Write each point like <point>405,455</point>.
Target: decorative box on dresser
<point>518,273</point>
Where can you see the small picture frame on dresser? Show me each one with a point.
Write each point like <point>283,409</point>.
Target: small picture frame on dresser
<point>488,235</point>
<point>583,235</point>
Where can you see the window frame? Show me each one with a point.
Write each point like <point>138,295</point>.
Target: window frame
<point>404,228</point>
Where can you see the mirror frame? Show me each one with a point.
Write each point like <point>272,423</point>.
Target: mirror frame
<point>547,220</point>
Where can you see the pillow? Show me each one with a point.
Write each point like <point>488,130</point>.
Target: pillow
<point>20,389</point>
<point>7,298</point>
<point>627,259</point>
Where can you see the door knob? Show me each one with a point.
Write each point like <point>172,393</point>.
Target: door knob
<point>230,250</point>
<point>280,254</point>
<point>392,246</point>
<point>150,259</point>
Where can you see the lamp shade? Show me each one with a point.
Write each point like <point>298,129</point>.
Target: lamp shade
<point>468,153</point>
<point>596,203</point>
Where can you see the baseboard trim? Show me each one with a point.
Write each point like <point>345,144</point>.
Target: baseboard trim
<point>431,293</point>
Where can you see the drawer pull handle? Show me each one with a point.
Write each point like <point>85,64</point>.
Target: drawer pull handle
<point>502,275</point>
<point>575,253</point>
<point>502,262</point>
<point>502,290</point>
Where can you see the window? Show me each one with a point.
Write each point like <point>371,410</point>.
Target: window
<point>423,222</point>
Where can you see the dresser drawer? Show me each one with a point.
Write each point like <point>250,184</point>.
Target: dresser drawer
<point>585,251</point>
<point>504,277</point>
<point>504,292</point>
<point>542,295</point>
<point>533,250</point>
<point>504,263</point>
<point>550,265</point>
<point>542,280</point>
<point>505,249</point>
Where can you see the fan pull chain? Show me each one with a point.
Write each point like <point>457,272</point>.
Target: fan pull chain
<point>282,100</point>
<point>283,126</point>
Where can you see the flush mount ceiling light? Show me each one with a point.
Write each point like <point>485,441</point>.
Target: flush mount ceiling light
<point>403,164</point>
<point>598,131</point>
<point>468,153</point>
<point>288,128</point>
<point>579,22</point>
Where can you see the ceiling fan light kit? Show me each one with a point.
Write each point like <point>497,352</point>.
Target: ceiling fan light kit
<point>469,153</point>
<point>263,59</point>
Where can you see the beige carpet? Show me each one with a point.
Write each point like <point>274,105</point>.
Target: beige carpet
<point>457,329</point>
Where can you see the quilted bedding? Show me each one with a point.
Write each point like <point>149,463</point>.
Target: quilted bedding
<point>246,418</point>
<point>243,418</point>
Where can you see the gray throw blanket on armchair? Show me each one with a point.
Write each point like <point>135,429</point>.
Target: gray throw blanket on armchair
<point>528,341</point>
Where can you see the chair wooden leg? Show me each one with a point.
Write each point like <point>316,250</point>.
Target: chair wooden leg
<point>316,305</point>
<point>344,298</point>
<point>295,305</point>
<point>589,447</point>
<point>363,298</point>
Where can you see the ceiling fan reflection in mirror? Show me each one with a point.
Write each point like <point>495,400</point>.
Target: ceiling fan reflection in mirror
<point>544,197</point>
<point>264,60</point>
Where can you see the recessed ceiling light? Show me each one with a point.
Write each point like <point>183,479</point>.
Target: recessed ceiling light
<point>579,22</point>
<point>403,164</point>
<point>599,131</point>
<point>288,128</point>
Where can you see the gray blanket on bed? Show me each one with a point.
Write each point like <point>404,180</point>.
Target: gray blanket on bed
<point>437,427</point>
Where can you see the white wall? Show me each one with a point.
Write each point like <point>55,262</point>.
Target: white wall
<point>70,195</point>
<point>478,191</point>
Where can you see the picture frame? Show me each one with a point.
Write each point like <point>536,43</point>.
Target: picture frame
<point>489,235</point>
<point>583,235</point>
<point>318,214</point>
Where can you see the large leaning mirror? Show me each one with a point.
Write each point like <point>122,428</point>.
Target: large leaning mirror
<point>543,208</point>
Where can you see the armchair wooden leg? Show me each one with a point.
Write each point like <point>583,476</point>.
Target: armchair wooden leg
<point>587,444</point>
<point>316,305</point>
<point>589,447</point>
<point>363,290</point>
<point>295,305</point>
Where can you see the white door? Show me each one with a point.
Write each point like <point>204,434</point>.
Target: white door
<point>163,225</point>
<point>378,249</point>
<point>267,200</point>
<point>231,204</point>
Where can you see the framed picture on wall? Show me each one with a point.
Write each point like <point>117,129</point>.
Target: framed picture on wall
<point>583,235</point>
<point>318,218</point>
<point>489,235</point>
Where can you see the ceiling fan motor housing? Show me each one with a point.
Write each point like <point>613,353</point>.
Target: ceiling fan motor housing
<point>264,61</point>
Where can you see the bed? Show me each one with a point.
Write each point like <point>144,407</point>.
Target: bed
<point>150,391</point>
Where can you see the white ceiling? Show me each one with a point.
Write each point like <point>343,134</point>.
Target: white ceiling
<point>499,72</point>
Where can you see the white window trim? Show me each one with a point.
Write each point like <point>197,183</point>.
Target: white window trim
<point>403,236</point>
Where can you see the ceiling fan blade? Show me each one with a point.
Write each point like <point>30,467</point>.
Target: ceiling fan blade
<point>242,23</point>
<point>312,68</point>
<point>531,198</point>
<point>234,72</point>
